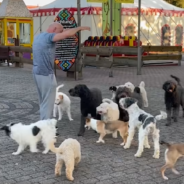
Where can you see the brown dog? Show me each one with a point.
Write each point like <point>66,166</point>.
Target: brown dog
<point>109,127</point>
<point>172,153</point>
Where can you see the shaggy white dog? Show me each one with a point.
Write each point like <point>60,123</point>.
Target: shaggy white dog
<point>145,122</point>
<point>109,111</point>
<point>30,135</point>
<point>132,87</point>
<point>62,104</point>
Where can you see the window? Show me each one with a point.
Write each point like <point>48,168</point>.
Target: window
<point>130,30</point>
<point>25,30</point>
<point>11,32</point>
<point>1,33</point>
<point>166,34</point>
<point>179,35</point>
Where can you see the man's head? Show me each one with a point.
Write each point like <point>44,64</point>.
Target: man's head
<point>55,27</point>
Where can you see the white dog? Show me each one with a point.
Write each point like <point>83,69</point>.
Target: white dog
<point>62,103</point>
<point>145,122</point>
<point>30,135</point>
<point>132,87</point>
<point>109,111</point>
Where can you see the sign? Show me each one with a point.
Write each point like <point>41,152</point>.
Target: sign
<point>97,1</point>
<point>125,1</point>
<point>67,49</point>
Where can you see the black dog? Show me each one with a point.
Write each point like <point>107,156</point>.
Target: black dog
<point>174,97</point>
<point>90,100</point>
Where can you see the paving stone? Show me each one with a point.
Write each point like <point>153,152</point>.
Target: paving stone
<point>107,163</point>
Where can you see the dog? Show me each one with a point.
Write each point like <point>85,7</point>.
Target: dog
<point>109,111</point>
<point>132,89</point>
<point>109,127</point>
<point>172,154</point>
<point>174,97</point>
<point>145,122</point>
<point>90,100</point>
<point>30,135</point>
<point>68,152</point>
<point>62,103</point>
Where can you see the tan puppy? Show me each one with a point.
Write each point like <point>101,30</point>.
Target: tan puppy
<point>172,153</point>
<point>109,127</point>
<point>69,152</point>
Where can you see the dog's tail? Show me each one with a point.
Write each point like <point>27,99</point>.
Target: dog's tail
<point>107,100</point>
<point>60,86</point>
<point>163,115</point>
<point>142,84</point>
<point>163,142</point>
<point>176,78</point>
<point>53,148</point>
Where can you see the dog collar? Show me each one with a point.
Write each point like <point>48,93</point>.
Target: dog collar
<point>58,103</point>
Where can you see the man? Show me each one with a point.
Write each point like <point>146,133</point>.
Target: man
<point>43,65</point>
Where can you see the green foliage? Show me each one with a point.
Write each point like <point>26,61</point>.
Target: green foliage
<point>175,2</point>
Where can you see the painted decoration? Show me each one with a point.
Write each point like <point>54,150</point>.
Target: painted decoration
<point>67,49</point>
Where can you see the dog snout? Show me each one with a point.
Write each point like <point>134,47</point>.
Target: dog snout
<point>71,92</point>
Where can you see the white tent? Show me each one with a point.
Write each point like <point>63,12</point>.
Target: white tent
<point>161,23</point>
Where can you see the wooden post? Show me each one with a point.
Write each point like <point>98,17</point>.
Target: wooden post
<point>17,64</point>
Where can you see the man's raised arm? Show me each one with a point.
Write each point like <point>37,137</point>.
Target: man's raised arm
<point>68,33</point>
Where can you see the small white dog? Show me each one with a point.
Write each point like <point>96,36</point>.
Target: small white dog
<point>145,122</point>
<point>132,87</point>
<point>109,111</point>
<point>30,135</point>
<point>62,103</point>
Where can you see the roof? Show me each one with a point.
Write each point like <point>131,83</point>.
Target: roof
<point>14,8</point>
<point>147,7</point>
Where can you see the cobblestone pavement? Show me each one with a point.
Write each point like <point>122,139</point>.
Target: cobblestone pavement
<point>105,163</point>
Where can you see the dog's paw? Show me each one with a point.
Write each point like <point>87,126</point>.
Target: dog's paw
<point>147,146</point>
<point>59,119</point>
<point>71,119</point>
<point>114,136</point>
<point>15,153</point>
<point>156,156</point>
<point>71,178</point>
<point>122,144</point>
<point>165,178</point>
<point>57,173</point>
<point>45,151</point>
<point>102,141</point>
<point>126,146</point>
<point>34,151</point>
<point>80,134</point>
<point>137,155</point>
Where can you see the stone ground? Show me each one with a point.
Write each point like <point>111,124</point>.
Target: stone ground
<point>105,163</point>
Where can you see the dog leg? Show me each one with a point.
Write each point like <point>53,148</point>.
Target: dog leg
<point>19,150</point>
<point>156,136</point>
<point>58,167</point>
<point>131,133</point>
<point>60,113</point>
<point>166,166</point>
<point>69,169</point>
<point>115,134</point>
<point>146,143</point>
<point>82,128</point>
<point>142,137</point>
<point>176,113</point>
<point>102,135</point>
<point>33,147</point>
<point>77,160</point>
<point>124,136</point>
<point>69,114</point>
<point>168,110</point>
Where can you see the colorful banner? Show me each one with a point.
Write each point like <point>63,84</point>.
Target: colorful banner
<point>125,1</point>
<point>97,1</point>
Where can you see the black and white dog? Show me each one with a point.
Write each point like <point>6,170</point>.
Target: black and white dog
<point>90,100</point>
<point>30,135</point>
<point>145,122</point>
<point>174,97</point>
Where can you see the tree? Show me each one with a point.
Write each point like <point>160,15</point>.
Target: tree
<point>175,2</point>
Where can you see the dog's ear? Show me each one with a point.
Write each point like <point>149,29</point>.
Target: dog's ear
<point>129,101</point>
<point>61,97</point>
<point>164,87</point>
<point>137,90</point>
<point>6,129</point>
<point>35,130</point>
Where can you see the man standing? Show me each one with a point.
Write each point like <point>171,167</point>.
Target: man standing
<point>43,65</point>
